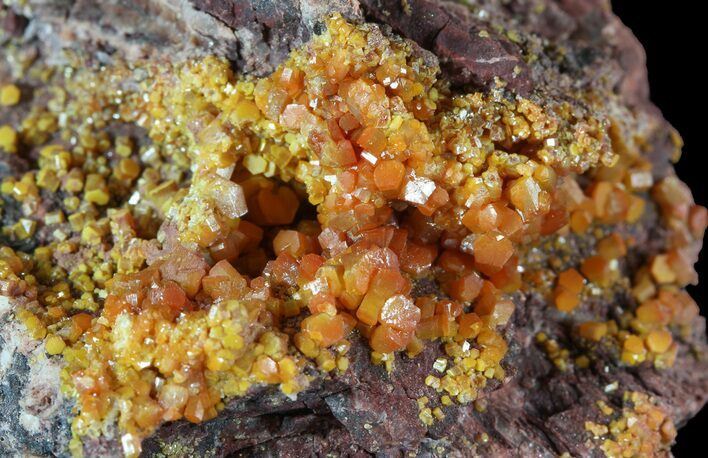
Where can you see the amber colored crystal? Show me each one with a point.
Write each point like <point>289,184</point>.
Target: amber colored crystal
<point>565,300</point>
<point>491,252</point>
<point>294,243</point>
<point>400,313</point>
<point>658,341</point>
<point>597,269</point>
<point>466,287</point>
<point>571,280</point>
<point>387,339</point>
<point>326,329</point>
<point>273,207</point>
<point>470,326</point>
<point>388,175</point>
<point>592,330</point>
<point>385,284</point>
<point>612,247</point>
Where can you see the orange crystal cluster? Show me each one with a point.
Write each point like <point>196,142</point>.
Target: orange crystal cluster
<point>664,309</point>
<point>196,360</point>
<point>398,169</point>
<point>297,209</point>
<point>640,428</point>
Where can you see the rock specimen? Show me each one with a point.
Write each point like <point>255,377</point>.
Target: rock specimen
<point>349,227</point>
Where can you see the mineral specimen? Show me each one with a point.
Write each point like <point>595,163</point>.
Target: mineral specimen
<point>376,227</point>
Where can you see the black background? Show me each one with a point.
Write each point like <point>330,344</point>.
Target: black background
<point>674,36</point>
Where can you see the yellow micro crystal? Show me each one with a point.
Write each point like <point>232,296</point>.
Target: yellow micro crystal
<point>8,139</point>
<point>9,95</point>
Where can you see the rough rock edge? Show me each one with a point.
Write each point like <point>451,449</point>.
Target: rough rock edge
<point>31,403</point>
<point>540,413</point>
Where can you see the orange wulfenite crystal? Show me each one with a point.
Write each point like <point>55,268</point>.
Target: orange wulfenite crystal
<point>294,243</point>
<point>326,329</point>
<point>491,252</point>
<point>571,280</point>
<point>466,287</point>
<point>570,284</point>
<point>388,175</point>
<point>273,207</point>
<point>526,195</point>
<point>385,285</point>
<point>399,312</point>
<point>612,247</point>
<point>661,270</point>
<point>598,270</point>
<point>387,339</point>
<point>658,341</point>
<point>592,330</point>
<point>565,300</point>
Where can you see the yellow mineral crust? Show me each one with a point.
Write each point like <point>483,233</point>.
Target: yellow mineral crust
<point>184,264</point>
